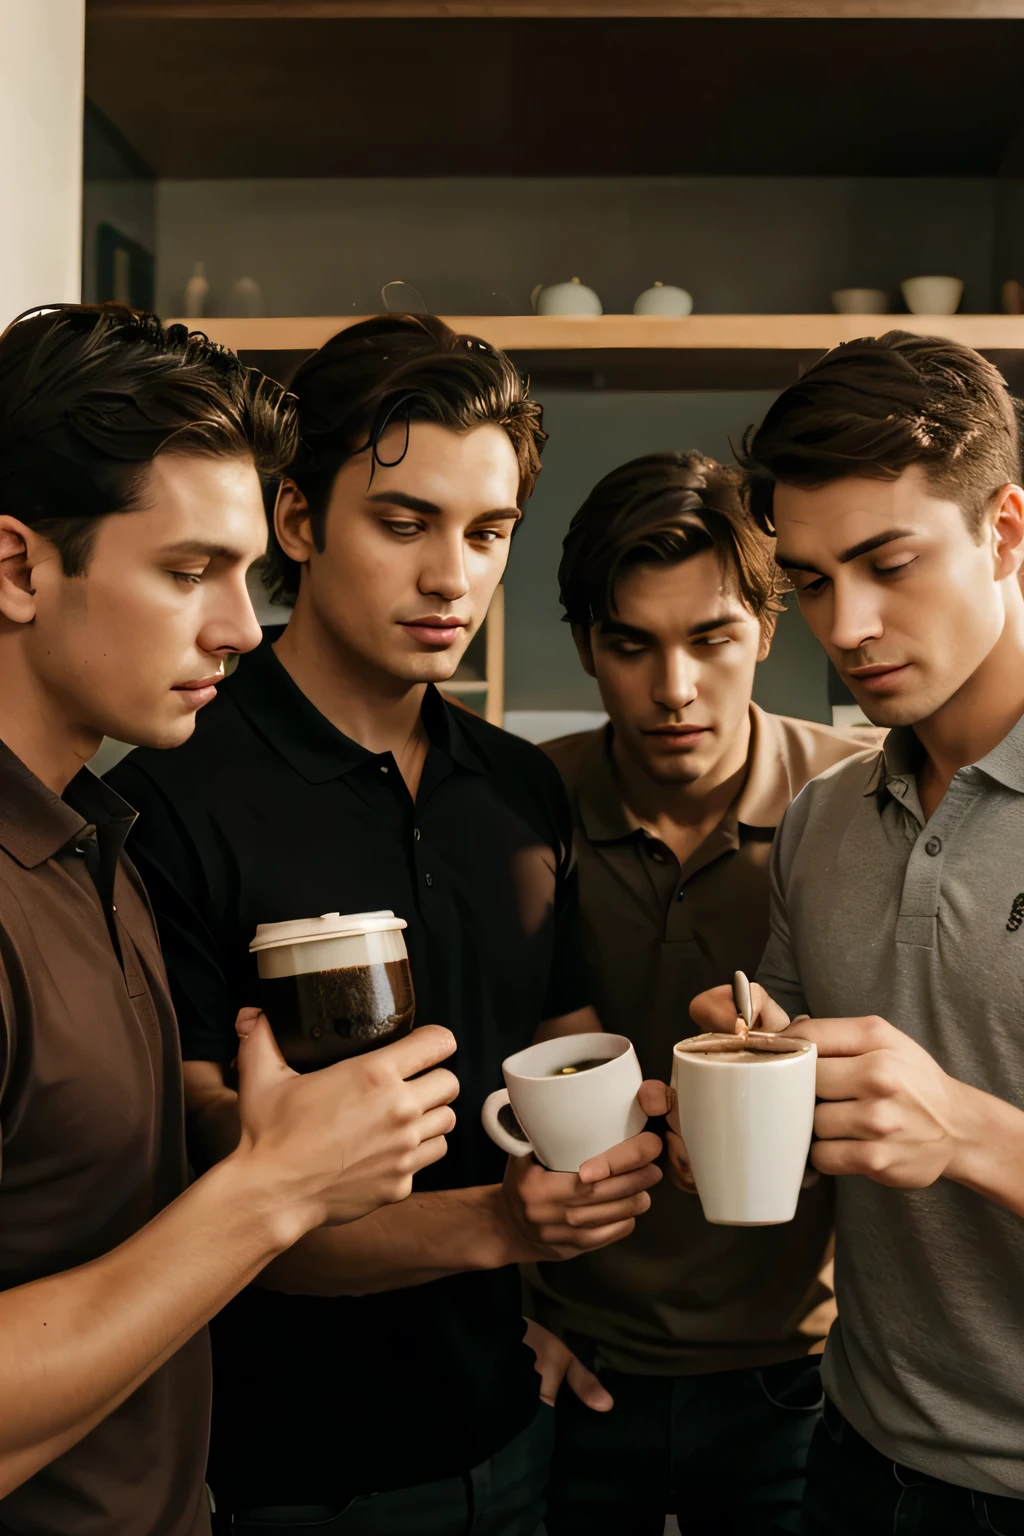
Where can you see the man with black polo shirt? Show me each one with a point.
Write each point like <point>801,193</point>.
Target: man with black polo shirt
<point>391,1389</point>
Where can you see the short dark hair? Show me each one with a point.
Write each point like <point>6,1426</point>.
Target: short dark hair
<point>876,406</point>
<point>91,394</point>
<point>396,368</point>
<point>659,510</point>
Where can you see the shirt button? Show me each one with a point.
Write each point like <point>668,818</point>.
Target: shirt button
<point>933,846</point>
<point>416,833</point>
<point>384,768</point>
<point>680,895</point>
<point>657,855</point>
<point>429,879</point>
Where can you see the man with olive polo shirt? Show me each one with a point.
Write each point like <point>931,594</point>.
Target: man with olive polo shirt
<point>704,1338</point>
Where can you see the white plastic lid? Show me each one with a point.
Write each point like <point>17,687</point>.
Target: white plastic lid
<point>330,925</point>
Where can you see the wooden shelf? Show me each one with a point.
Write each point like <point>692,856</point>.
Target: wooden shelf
<point>260,10</point>
<point>555,333</point>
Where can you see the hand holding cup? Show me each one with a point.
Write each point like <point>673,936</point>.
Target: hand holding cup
<point>579,1105</point>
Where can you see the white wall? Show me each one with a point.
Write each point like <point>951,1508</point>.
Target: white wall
<point>42,53</point>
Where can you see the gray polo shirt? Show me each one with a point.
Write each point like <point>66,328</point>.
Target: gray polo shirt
<point>876,911</point>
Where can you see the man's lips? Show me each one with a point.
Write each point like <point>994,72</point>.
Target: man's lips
<point>199,691</point>
<point>678,735</point>
<point>878,677</point>
<point>434,629</point>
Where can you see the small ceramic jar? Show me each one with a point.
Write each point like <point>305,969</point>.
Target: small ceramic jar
<point>663,299</point>
<point>573,298</point>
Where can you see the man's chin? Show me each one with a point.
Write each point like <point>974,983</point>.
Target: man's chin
<point>163,734</point>
<point>887,713</point>
<point>664,768</point>
<point>437,667</point>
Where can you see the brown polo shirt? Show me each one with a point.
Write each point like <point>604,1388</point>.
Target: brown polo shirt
<point>680,1296</point>
<point>92,1135</point>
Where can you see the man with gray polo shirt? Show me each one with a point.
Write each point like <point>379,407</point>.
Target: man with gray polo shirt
<point>889,473</point>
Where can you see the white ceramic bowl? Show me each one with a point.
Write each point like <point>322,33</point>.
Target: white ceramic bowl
<point>932,295</point>
<point>860,301</point>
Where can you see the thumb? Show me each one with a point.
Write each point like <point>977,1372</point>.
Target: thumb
<point>587,1387</point>
<point>260,1063</point>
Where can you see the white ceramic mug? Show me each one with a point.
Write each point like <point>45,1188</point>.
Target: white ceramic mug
<point>747,1124</point>
<point>567,1120</point>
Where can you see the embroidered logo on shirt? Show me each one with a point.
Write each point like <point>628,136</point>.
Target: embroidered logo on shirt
<point>1016,914</point>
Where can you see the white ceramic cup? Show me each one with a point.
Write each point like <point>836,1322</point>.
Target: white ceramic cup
<point>567,1120</point>
<point>747,1124</point>
<point>932,295</point>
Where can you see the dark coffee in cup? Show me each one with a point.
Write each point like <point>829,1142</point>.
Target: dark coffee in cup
<point>334,986</point>
<point>572,1068</point>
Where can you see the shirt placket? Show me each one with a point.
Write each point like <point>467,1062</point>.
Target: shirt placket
<point>922,884</point>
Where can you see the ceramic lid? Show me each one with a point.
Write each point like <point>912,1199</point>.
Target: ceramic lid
<point>330,925</point>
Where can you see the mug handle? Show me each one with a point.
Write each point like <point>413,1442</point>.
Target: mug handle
<point>493,1105</point>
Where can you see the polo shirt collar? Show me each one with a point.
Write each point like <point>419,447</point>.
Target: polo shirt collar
<point>601,808</point>
<point>35,824</point>
<point>902,752</point>
<point>761,803</point>
<point>274,704</point>
<point>768,788</point>
<point>1005,763</point>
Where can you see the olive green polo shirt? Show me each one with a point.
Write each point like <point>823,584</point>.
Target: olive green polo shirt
<point>680,1296</point>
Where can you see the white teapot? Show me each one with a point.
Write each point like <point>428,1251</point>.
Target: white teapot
<point>663,299</point>
<point>573,298</point>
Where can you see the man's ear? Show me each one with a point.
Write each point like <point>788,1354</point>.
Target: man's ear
<point>19,550</point>
<point>1007,524</point>
<point>768,624</point>
<point>584,650</point>
<point>292,522</point>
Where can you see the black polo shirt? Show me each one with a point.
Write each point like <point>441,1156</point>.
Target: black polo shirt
<point>269,813</point>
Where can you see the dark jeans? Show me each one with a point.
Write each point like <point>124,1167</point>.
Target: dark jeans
<point>723,1452</point>
<point>504,1496</point>
<point>853,1490</point>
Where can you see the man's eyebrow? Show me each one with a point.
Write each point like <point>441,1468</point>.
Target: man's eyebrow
<point>431,509</point>
<point>623,631</point>
<point>631,632</point>
<point>789,563</point>
<point>199,548</point>
<point>716,623</point>
<point>403,499</point>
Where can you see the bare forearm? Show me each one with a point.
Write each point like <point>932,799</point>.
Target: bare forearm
<point>427,1237</point>
<point>75,1345</point>
<point>991,1156</point>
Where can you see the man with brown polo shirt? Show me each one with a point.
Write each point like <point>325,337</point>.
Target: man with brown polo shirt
<point>704,1338</point>
<point>130,509</point>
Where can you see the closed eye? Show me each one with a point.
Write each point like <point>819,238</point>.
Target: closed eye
<point>891,570</point>
<point>812,587</point>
